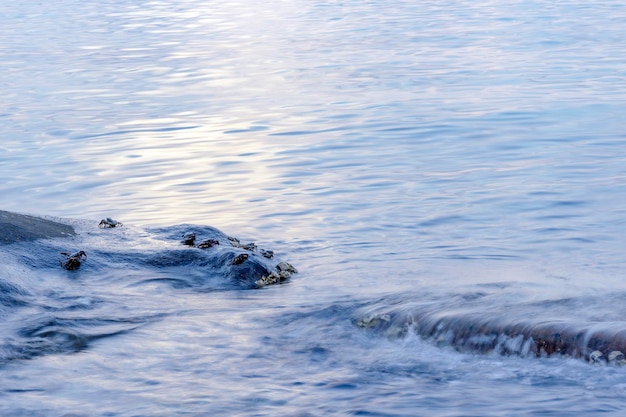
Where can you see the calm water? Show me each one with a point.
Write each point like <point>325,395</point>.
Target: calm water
<point>463,159</point>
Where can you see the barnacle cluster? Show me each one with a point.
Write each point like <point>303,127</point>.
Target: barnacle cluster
<point>283,272</point>
<point>109,223</point>
<point>615,358</point>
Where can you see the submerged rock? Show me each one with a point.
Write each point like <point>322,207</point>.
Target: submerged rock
<point>64,311</point>
<point>372,321</point>
<point>245,265</point>
<point>216,256</point>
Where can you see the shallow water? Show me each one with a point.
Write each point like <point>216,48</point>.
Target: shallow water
<point>461,159</point>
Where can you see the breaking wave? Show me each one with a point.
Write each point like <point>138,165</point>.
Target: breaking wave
<point>479,322</point>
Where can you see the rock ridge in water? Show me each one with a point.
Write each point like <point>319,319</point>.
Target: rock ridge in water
<point>483,333</point>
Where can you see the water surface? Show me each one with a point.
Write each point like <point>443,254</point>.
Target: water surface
<point>400,154</point>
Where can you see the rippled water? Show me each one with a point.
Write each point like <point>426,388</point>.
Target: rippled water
<point>462,160</point>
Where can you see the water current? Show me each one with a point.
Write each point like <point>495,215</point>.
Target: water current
<point>448,177</point>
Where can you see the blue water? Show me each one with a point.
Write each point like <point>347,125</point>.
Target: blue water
<point>467,159</point>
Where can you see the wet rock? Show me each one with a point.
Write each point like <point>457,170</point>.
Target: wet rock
<point>217,256</point>
<point>19,227</point>
<point>283,272</point>
<point>597,358</point>
<point>249,246</point>
<point>109,223</point>
<point>237,243</point>
<point>387,324</point>
<point>239,259</point>
<point>208,243</point>
<point>617,358</point>
<point>373,321</point>
<point>286,267</point>
<point>271,279</point>
<point>189,239</point>
<point>73,261</point>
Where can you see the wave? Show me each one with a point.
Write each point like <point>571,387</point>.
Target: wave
<point>473,323</point>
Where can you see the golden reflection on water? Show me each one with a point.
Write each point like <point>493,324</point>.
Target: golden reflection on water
<point>179,176</point>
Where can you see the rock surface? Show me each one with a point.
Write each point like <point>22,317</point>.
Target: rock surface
<point>20,227</point>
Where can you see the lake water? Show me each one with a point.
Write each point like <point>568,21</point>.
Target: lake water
<point>450,164</point>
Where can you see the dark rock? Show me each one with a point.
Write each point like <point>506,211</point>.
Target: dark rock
<point>72,261</point>
<point>19,227</point>
<point>189,239</point>
<point>109,223</point>
<point>206,244</point>
<point>239,259</point>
